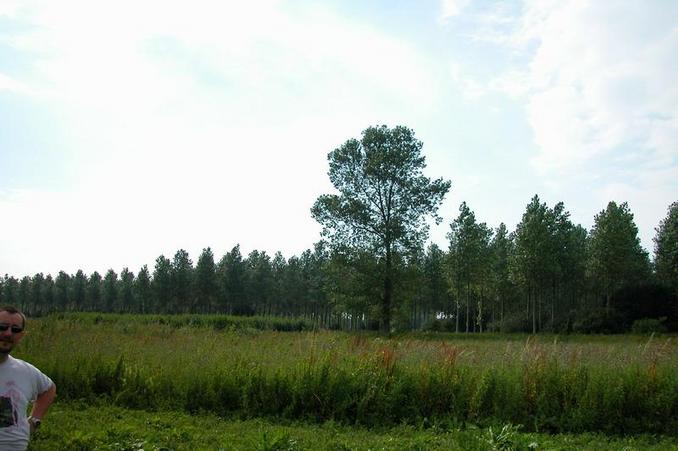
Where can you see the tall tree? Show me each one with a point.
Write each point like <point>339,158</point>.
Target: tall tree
<point>24,292</point>
<point>162,284</point>
<point>48,295</point>
<point>533,257</point>
<point>574,268</point>
<point>62,286</point>
<point>231,277</point>
<point>383,199</point>
<point>436,286</point>
<point>10,290</point>
<point>94,291</point>
<point>79,290</point>
<point>295,288</point>
<point>37,293</point>
<point>501,248</point>
<point>205,281</point>
<point>280,296</point>
<point>143,292</point>
<point>181,282</point>
<point>666,249</point>
<point>562,259</point>
<point>468,263</point>
<point>314,270</point>
<point>126,290</point>
<point>110,290</point>
<point>616,258</point>
<point>259,283</point>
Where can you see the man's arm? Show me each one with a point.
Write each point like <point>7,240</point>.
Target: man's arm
<point>43,401</point>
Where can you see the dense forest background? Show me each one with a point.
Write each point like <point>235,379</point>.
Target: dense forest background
<point>547,275</point>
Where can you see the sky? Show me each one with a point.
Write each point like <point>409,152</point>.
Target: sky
<point>132,129</point>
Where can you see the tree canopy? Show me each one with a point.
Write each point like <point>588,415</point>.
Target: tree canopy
<point>666,248</point>
<point>616,256</point>
<point>383,198</point>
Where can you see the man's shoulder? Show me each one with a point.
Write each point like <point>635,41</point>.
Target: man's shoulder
<point>25,371</point>
<point>19,364</point>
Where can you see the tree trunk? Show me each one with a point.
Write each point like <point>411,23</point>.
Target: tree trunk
<point>388,294</point>
<point>529,301</point>
<point>553,306</point>
<point>456,317</point>
<point>468,305</point>
<point>414,315</point>
<point>534,313</point>
<point>456,302</point>
<point>480,312</point>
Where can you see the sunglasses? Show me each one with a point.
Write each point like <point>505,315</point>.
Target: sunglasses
<point>14,328</point>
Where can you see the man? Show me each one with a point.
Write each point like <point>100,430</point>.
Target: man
<point>20,383</point>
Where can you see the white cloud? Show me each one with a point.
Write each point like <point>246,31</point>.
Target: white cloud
<point>468,86</point>
<point>198,126</point>
<point>451,8</point>
<point>599,79</point>
<point>596,82</point>
<point>100,54</point>
<point>514,83</point>
<point>9,84</point>
<point>9,8</point>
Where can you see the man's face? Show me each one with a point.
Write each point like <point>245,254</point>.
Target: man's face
<point>9,338</point>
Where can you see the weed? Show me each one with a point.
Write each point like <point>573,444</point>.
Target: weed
<point>503,439</point>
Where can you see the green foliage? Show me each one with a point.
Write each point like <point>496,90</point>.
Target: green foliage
<point>79,426</point>
<point>666,249</point>
<point>142,290</point>
<point>181,279</point>
<point>616,256</point>
<point>205,283</point>
<point>162,285</point>
<point>440,325</point>
<point>516,322</point>
<point>503,439</point>
<point>93,295</point>
<point>242,324</point>
<point>548,262</point>
<point>599,320</point>
<point>109,291</point>
<point>647,301</point>
<point>647,326</point>
<point>383,201</point>
<point>278,443</point>
<point>468,265</point>
<point>549,272</point>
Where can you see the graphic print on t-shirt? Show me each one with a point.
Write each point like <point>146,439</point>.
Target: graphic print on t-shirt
<point>7,417</point>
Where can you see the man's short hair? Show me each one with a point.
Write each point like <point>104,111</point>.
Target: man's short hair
<point>11,309</point>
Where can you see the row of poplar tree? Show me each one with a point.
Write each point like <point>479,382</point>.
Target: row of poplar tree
<point>547,275</point>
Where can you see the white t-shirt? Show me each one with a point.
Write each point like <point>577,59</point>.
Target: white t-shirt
<point>20,382</point>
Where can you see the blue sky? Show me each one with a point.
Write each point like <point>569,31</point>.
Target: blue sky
<point>131,129</point>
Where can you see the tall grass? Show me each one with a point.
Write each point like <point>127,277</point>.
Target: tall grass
<point>619,385</point>
<point>217,322</point>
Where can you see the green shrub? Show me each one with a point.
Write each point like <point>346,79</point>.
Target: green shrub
<point>647,326</point>
<point>598,321</point>
<point>514,323</point>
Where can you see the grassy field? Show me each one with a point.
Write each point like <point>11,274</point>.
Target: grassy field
<point>82,426</point>
<point>422,385</point>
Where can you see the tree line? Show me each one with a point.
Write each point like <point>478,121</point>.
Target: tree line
<point>546,275</point>
<point>372,269</point>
